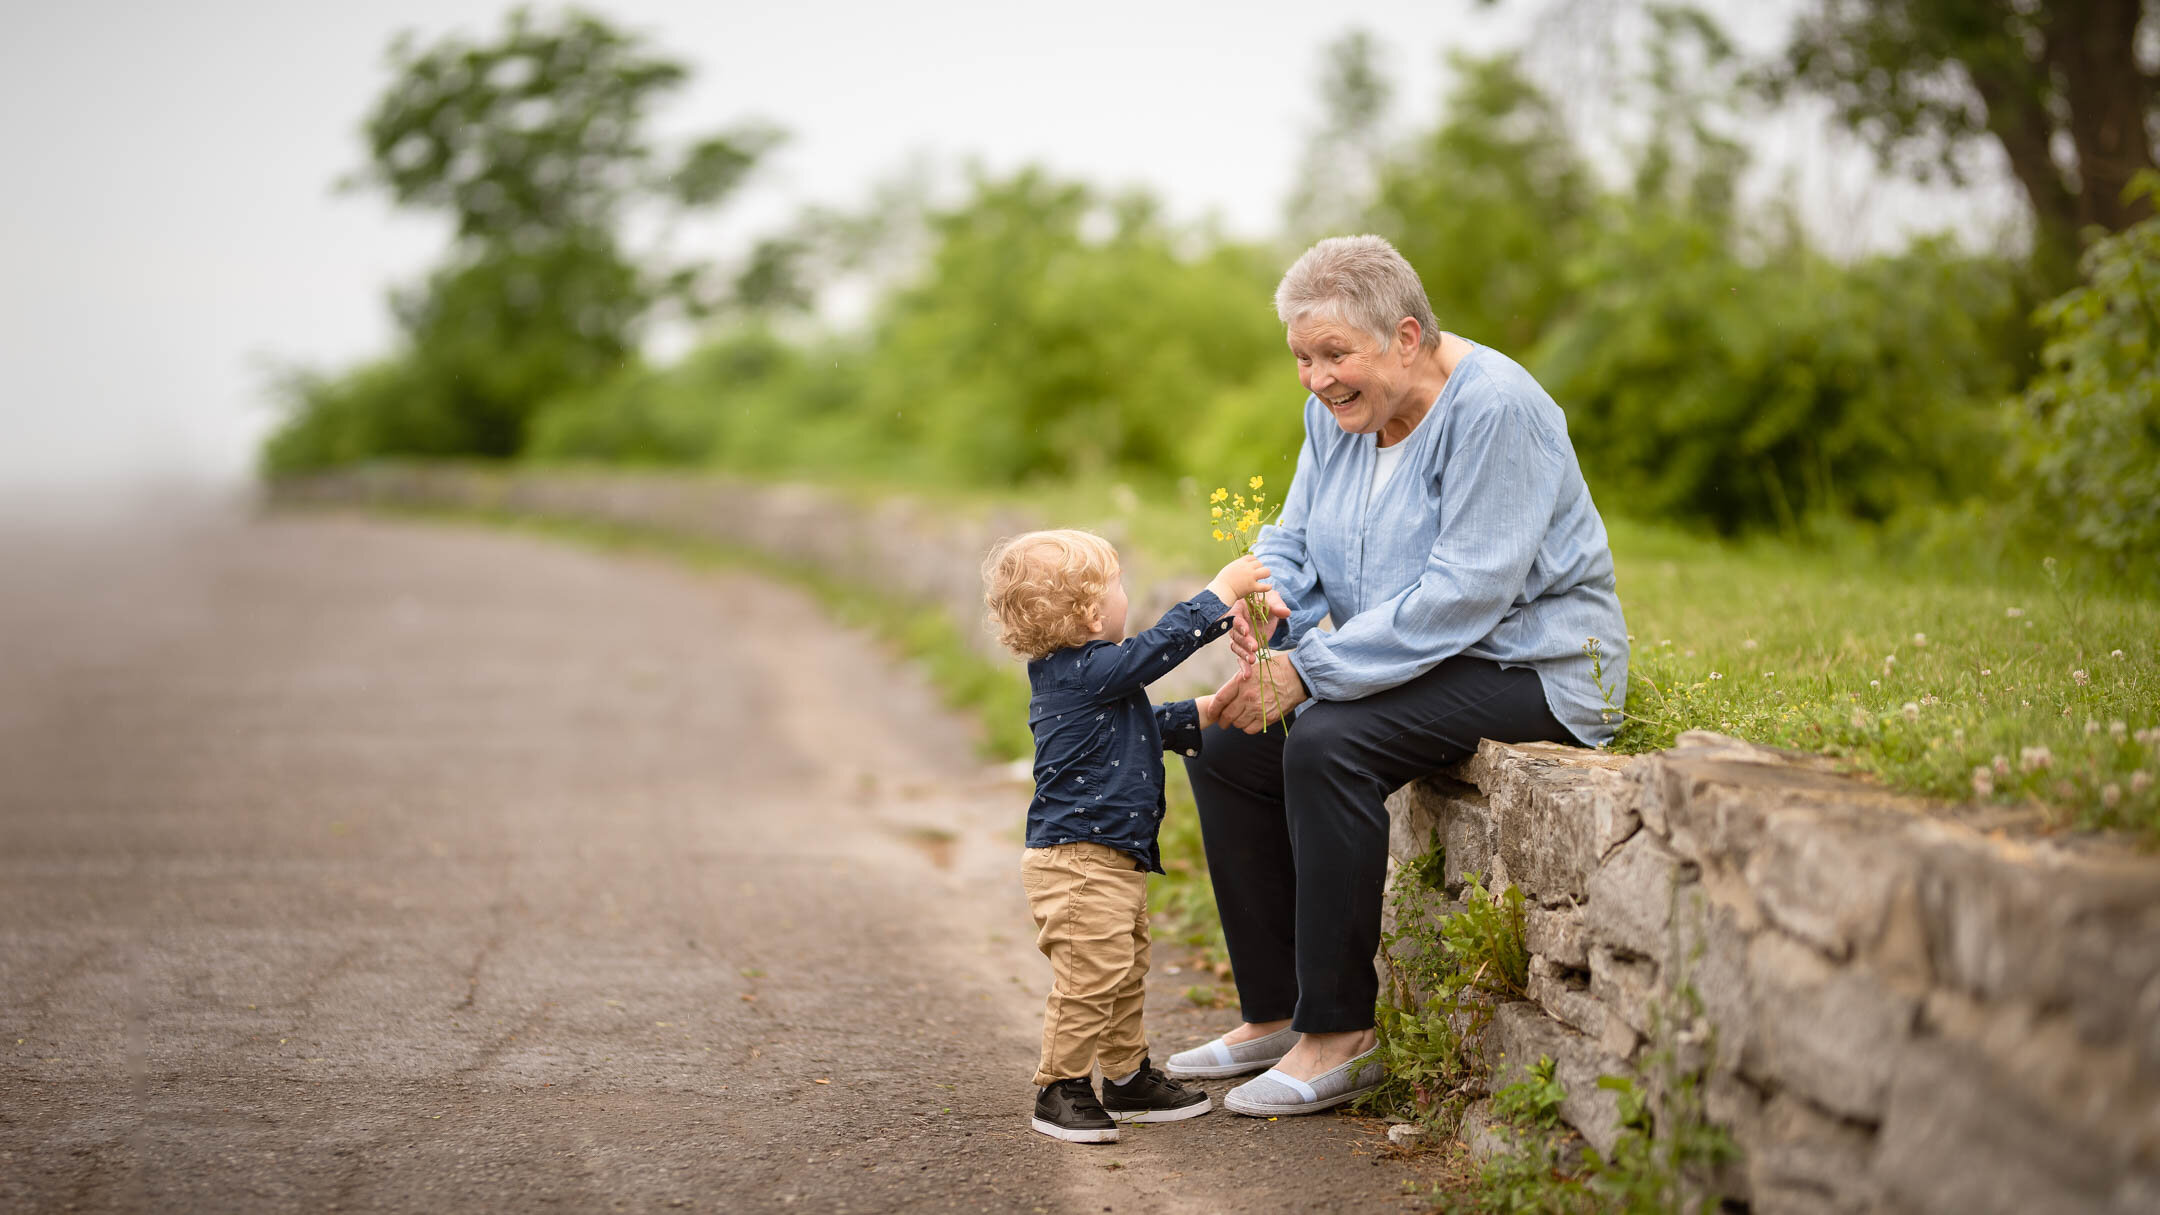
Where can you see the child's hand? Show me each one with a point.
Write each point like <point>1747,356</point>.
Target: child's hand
<point>1240,578</point>
<point>1223,696</point>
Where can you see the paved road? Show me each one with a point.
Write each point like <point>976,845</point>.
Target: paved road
<point>367,866</point>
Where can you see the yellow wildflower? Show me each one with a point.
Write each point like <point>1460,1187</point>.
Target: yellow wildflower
<point>1238,501</point>
<point>1218,495</point>
<point>1214,512</point>
<point>1219,535</point>
<point>1256,483</point>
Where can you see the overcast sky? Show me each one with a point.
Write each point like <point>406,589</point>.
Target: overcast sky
<point>168,230</point>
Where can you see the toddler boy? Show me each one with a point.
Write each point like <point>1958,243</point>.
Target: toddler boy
<point>1058,599</point>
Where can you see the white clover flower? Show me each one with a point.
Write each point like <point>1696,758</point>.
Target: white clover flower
<point>1874,683</point>
<point>1986,671</point>
<point>1931,699</point>
<point>2014,613</point>
<point>1919,639</point>
<point>2111,795</point>
<point>1749,644</point>
<point>1666,642</point>
<point>1983,782</point>
<point>2140,781</point>
<point>2091,727</point>
<point>2115,654</point>
<point>1911,711</point>
<point>2080,678</point>
<point>1889,660</point>
<point>1716,675</point>
<point>2035,759</point>
<point>2001,764</point>
<point>2118,730</point>
<point>1769,674</point>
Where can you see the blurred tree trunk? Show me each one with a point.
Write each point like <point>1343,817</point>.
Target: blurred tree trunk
<point>2092,49</point>
<point>2055,83</point>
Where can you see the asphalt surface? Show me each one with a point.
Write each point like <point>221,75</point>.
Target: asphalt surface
<point>358,865</point>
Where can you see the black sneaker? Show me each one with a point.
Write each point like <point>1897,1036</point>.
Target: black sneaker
<point>1068,1110</point>
<point>1153,1097</point>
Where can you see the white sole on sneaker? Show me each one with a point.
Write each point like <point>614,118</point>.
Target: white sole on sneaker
<point>1238,1100</point>
<point>1220,1065</point>
<point>1179,1114</point>
<point>1175,1072</point>
<point>1254,1109</point>
<point>1106,1134</point>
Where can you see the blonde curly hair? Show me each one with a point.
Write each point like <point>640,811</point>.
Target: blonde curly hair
<point>1043,588</point>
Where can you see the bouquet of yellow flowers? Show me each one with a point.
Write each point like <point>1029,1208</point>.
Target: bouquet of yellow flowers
<point>1237,522</point>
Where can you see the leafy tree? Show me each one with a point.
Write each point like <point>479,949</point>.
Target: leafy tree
<point>1491,206</point>
<point>535,145</point>
<point>1335,179</point>
<point>2057,85</point>
<point>2088,460</point>
<point>1055,331</point>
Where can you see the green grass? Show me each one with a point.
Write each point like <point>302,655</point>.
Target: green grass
<point>2032,692</point>
<point>1923,671</point>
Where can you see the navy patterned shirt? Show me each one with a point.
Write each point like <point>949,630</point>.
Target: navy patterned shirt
<point>1099,743</point>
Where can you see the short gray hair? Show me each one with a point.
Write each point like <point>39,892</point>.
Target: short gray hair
<point>1360,281</point>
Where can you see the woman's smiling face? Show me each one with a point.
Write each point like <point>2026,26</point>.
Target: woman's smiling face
<point>1357,377</point>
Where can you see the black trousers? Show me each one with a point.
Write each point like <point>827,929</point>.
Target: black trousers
<point>1296,828</point>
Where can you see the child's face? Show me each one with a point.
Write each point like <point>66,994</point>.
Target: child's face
<point>1113,610</point>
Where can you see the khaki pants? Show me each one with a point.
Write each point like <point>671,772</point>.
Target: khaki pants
<point>1090,907</point>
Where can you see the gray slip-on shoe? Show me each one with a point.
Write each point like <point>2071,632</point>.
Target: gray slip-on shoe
<point>1273,1093</point>
<point>1214,1060</point>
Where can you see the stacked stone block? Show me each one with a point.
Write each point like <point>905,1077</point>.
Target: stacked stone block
<point>1899,1011</point>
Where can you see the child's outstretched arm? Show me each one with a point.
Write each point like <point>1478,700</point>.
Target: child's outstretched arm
<point>1180,721</point>
<point>1145,657</point>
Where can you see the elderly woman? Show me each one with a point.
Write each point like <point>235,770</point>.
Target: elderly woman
<point>1439,518</point>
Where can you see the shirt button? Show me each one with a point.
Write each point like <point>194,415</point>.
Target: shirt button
<point>1196,632</point>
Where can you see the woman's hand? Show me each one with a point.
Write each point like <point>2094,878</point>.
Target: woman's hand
<point>1255,708</point>
<point>1242,642</point>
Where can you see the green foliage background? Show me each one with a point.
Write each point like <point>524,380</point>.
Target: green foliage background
<point>1718,372</point>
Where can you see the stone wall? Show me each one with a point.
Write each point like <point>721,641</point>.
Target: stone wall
<point>1905,1007</point>
<point>1900,1010</point>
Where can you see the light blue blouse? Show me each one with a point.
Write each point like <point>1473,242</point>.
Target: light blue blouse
<point>1484,543</point>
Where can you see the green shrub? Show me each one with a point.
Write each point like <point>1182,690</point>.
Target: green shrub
<point>1707,388</point>
<point>2088,453</point>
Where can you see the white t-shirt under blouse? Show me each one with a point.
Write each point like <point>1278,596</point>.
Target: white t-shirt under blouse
<point>1385,459</point>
